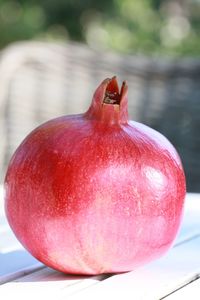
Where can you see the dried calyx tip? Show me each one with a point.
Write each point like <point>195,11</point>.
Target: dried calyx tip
<point>112,93</point>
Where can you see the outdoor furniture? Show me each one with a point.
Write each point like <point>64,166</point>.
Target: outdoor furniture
<point>40,80</point>
<point>175,276</point>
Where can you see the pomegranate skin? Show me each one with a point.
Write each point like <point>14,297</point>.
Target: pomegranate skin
<point>95,193</point>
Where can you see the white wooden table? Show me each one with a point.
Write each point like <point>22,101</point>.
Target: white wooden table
<point>175,276</point>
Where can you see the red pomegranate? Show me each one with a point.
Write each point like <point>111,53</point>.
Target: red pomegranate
<point>95,193</point>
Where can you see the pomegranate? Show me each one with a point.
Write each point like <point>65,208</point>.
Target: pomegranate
<point>95,193</point>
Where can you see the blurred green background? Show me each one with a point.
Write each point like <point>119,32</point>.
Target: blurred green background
<point>158,27</point>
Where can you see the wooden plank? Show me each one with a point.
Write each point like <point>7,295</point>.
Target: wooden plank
<point>11,276</point>
<point>191,220</point>
<point>46,283</point>
<point>14,264</point>
<point>190,291</point>
<point>15,261</point>
<point>180,266</point>
<point>14,258</point>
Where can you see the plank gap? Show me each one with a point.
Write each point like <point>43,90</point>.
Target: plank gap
<point>196,277</point>
<point>187,239</point>
<point>21,273</point>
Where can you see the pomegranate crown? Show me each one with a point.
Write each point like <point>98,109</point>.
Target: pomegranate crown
<point>109,103</point>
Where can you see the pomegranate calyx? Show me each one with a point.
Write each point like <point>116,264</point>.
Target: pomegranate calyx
<point>112,94</point>
<point>109,104</point>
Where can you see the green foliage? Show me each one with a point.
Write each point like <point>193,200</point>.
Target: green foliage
<point>129,26</point>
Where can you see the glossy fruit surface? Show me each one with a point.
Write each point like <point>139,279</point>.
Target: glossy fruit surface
<point>95,193</point>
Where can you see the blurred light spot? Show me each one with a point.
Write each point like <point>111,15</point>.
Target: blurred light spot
<point>176,29</point>
<point>120,38</point>
<point>34,16</point>
<point>10,11</point>
<point>96,36</point>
